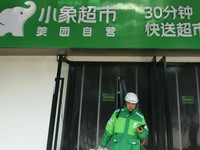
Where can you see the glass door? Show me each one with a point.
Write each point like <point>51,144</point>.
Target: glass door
<point>58,105</point>
<point>183,91</point>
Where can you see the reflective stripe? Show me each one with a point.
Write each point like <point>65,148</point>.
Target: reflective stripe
<point>110,122</point>
<point>146,127</point>
<point>139,115</point>
<point>133,142</point>
<point>119,110</point>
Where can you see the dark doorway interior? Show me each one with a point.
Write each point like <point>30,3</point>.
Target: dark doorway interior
<point>168,94</point>
<point>97,91</point>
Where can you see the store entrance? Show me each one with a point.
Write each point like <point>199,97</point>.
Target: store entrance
<point>96,91</point>
<point>86,94</point>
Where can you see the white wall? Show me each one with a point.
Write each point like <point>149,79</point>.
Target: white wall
<point>26,89</point>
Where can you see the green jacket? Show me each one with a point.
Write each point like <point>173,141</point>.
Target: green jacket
<point>122,132</point>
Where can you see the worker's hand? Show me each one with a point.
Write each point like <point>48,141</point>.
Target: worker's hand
<point>140,129</point>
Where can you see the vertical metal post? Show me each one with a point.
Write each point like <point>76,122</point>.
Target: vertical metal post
<point>198,96</point>
<point>166,99</point>
<point>178,108</point>
<point>136,80</point>
<point>54,106</point>
<point>154,135</point>
<point>58,114</point>
<point>118,103</point>
<point>80,109</point>
<point>99,106</point>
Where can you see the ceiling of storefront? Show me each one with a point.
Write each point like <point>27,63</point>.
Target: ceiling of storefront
<point>97,52</point>
<point>109,55</point>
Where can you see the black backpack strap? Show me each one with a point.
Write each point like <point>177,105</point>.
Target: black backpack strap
<point>117,116</point>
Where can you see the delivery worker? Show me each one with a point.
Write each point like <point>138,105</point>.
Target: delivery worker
<point>126,127</point>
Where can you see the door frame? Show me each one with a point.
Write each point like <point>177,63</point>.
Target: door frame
<point>52,122</point>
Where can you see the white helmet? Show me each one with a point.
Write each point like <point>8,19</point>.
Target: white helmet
<point>131,97</point>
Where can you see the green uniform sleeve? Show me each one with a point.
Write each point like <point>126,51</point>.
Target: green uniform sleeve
<point>109,130</point>
<point>145,132</point>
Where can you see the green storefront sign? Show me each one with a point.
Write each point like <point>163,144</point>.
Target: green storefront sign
<point>161,24</point>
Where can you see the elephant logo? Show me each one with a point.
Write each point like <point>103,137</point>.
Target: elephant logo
<point>12,20</point>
